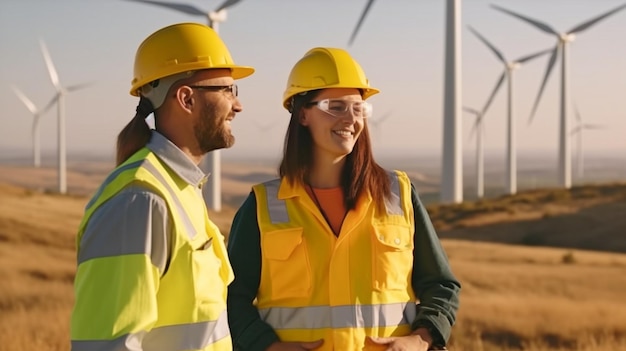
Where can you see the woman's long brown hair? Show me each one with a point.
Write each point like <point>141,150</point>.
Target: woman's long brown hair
<point>360,174</point>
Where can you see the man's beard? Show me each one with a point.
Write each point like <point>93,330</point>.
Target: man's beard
<point>211,133</point>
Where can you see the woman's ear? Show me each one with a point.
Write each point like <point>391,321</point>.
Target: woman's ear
<point>303,118</point>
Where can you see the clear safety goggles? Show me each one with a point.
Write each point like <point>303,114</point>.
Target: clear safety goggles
<point>341,108</point>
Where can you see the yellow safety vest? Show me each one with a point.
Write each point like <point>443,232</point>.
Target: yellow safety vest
<point>189,312</point>
<point>315,285</point>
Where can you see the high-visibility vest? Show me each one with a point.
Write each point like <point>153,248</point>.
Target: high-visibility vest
<point>183,308</point>
<point>315,285</point>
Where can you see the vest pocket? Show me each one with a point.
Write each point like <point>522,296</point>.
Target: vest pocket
<point>286,256</point>
<point>207,281</point>
<point>392,259</point>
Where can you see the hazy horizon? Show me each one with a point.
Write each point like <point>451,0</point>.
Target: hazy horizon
<point>400,46</point>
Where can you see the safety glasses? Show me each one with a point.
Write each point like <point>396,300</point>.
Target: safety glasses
<point>341,108</point>
<point>232,89</point>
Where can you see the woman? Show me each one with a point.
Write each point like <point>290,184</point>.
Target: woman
<point>336,254</point>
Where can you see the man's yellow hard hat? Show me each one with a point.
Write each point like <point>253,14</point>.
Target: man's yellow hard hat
<point>179,48</point>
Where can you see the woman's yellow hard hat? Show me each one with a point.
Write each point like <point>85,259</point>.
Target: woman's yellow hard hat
<point>323,68</point>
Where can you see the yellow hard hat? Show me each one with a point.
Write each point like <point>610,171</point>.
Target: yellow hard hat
<point>179,48</point>
<point>322,68</point>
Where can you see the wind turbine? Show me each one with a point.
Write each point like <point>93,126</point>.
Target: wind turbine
<point>452,166</point>
<point>211,163</point>
<point>377,123</point>
<point>264,127</point>
<point>563,39</point>
<point>509,67</point>
<point>59,98</point>
<point>36,118</point>
<point>214,18</point>
<point>578,131</point>
<point>480,163</point>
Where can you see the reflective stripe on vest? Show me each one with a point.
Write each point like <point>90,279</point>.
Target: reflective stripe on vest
<point>145,164</point>
<point>393,204</point>
<point>110,178</point>
<point>278,209</point>
<point>357,316</point>
<point>190,336</point>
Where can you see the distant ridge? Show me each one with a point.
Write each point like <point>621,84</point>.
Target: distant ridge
<point>590,217</point>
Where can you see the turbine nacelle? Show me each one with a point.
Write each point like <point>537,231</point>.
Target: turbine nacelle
<point>511,66</point>
<point>217,17</point>
<point>567,37</point>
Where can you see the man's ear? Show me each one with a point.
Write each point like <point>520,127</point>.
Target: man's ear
<point>185,98</point>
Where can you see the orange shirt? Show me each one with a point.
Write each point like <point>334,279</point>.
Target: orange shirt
<point>331,204</point>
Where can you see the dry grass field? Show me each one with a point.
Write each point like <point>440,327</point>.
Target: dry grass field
<point>530,280</point>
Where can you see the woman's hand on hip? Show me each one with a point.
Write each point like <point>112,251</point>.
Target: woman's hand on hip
<point>401,343</point>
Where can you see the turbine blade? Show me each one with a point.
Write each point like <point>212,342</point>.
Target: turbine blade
<point>576,130</point>
<point>593,126</point>
<point>79,86</point>
<point>29,104</point>
<point>264,127</point>
<point>384,117</point>
<point>581,27</point>
<point>493,94</point>
<point>54,76</point>
<point>551,63</point>
<point>475,126</point>
<point>533,56</point>
<point>577,113</point>
<point>358,25</point>
<point>476,113</point>
<point>227,4</point>
<point>540,25</point>
<point>489,45</point>
<point>184,8</point>
<point>50,104</point>
<point>471,110</point>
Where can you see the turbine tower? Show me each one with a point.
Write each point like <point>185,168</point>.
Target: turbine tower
<point>452,166</point>
<point>211,163</point>
<point>578,131</point>
<point>563,39</point>
<point>59,98</point>
<point>35,128</point>
<point>480,163</point>
<point>509,68</point>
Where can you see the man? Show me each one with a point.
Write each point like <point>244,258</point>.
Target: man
<point>152,267</point>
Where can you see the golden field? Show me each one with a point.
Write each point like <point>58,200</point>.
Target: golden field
<point>530,280</point>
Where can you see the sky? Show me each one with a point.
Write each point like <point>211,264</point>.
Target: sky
<point>400,46</point>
